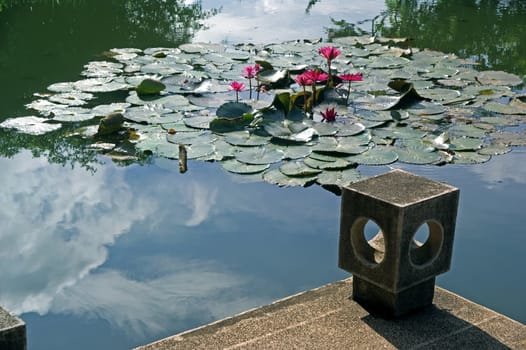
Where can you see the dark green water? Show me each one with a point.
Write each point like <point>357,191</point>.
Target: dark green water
<point>112,256</point>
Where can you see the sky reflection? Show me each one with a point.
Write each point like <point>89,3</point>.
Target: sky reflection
<point>249,21</point>
<point>151,251</point>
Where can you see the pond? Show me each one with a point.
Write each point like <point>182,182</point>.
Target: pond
<point>111,255</point>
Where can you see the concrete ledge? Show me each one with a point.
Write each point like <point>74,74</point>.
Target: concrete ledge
<point>12,332</point>
<point>326,318</point>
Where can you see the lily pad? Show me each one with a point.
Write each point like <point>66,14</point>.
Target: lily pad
<point>417,156</point>
<point>290,131</point>
<point>494,150</point>
<point>259,155</point>
<point>338,164</point>
<point>298,169</point>
<point>233,110</point>
<point>198,122</point>
<point>150,87</point>
<point>470,158</point>
<point>245,139</point>
<point>235,166</point>
<point>375,156</point>
<point>504,108</point>
<point>275,176</point>
<point>30,125</point>
<point>339,178</point>
<point>499,78</point>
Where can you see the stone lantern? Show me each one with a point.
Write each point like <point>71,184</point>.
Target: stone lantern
<point>393,274</point>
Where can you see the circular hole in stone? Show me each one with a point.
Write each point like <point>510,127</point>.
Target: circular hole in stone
<point>421,236</point>
<point>367,241</point>
<point>426,243</point>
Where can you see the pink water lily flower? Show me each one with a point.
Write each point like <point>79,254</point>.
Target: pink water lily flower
<point>303,80</point>
<point>237,87</point>
<point>329,52</point>
<point>329,115</point>
<point>350,78</point>
<point>251,72</point>
<point>316,75</point>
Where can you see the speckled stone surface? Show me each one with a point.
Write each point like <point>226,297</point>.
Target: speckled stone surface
<point>12,331</point>
<point>327,318</point>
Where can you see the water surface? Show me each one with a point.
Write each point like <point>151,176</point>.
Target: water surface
<point>99,255</point>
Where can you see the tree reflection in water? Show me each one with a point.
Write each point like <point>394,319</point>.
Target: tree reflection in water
<point>490,31</point>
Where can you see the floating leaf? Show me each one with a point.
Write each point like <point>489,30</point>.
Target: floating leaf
<point>30,125</point>
<point>151,115</point>
<point>185,138</point>
<point>259,155</point>
<point>298,169</point>
<point>276,177</point>
<point>102,110</point>
<point>467,131</point>
<point>73,114</point>
<point>503,108</point>
<point>198,122</point>
<point>339,178</point>
<point>100,85</point>
<point>375,156</point>
<point>290,131</point>
<point>150,87</point>
<point>235,166</point>
<point>417,156</point>
<point>224,125</point>
<point>499,78</point>
<point>338,164</point>
<point>292,150</point>
<point>61,87</point>
<point>470,158</point>
<point>494,150</point>
<point>245,139</point>
<point>233,110</point>
<point>465,143</point>
<point>75,98</point>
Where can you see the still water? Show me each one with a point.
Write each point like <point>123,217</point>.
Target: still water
<point>97,255</point>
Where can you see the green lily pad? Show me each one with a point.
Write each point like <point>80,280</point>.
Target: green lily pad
<point>417,156</point>
<point>290,131</point>
<point>150,115</point>
<point>61,87</point>
<point>375,156</point>
<point>339,178</point>
<point>259,155</point>
<point>75,98</point>
<point>503,108</point>
<point>198,122</point>
<point>245,139</point>
<point>470,158</point>
<point>103,110</point>
<point>233,110</point>
<point>235,166</point>
<point>467,131</point>
<point>298,168</point>
<point>494,150</point>
<point>185,138</point>
<point>291,151</point>
<point>465,144</point>
<point>499,78</point>
<point>275,176</point>
<point>30,125</point>
<point>150,87</point>
<point>100,85</point>
<point>74,114</point>
<point>338,164</point>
